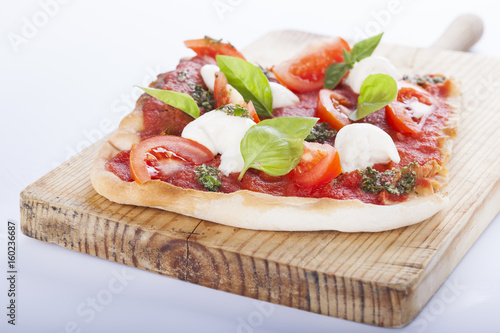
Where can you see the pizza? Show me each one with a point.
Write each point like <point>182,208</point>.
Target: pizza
<point>334,138</point>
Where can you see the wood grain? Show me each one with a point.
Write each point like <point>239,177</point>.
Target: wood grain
<point>381,279</point>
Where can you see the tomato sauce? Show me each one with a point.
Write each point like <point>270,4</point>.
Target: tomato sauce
<point>162,119</point>
<point>179,81</point>
<point>306,107</point>
<point>421,147</point>
<point>120,166</point>
<point>346,186</point>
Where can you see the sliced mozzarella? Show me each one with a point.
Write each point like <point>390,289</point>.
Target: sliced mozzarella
<point>368,66</point>
<point>234,96</point>
<point>282,96</point>
<point>418,110</point>
<point>222,134</point>
<point>363,145</point>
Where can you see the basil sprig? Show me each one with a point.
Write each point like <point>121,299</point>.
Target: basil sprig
<point>249,81</point>
<point>176,99</point>
<point>336,71</point>
<point>275,146</point>
<point>365,48</point>
<point>377,91</point>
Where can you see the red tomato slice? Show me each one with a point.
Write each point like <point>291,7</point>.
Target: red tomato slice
<point>252,112</point>
<point>210,47</point>
<point>332,109</point>
<point>306,72</point>
<point>399,119</point>
<point>407,90</point>
<point>221,95</point>
<point>165,153</point>
<point>396,112</point>
<point>319,165</point>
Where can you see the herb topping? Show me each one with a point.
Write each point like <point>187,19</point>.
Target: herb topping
<point>204,98</point>
<point>212,40</point>
<point>321,132</point>
<point>209,177</point>
<point>183,76</point>
<point>424,80</point>
<point>393,181</point>
<point>235,110</point>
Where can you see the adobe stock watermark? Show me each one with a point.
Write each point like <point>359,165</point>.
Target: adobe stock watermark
<point>486,87</point>
<point>446,295</point>
<point>222,7</point>
<point>89,309</point>
<point>380,20</point>
<point>120,106</point>
<point>12,272</point>
<point>31,25</point>
<point>256,318</point>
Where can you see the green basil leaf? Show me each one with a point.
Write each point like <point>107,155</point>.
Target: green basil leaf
<point>250,82</point>
<point>365,48</point>
<point>334,74</point>
<point>347,57</point>
<point>377,91</point>
<point>275,146</point>
<point>336,71</point>
<point>176,99</point>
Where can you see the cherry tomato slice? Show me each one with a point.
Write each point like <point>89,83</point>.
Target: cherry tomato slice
<point>252,112</point>
<point>211,47</point>
<point>399,119</point>
<point>319,165</point>
<point>165,152</point>
<point>407,90</point>
<point>221,94</point>
<point>331,109</point>
<point>306,72</point>
<point>396,112</point>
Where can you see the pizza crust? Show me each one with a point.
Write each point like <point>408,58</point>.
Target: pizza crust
<point>260,211</point>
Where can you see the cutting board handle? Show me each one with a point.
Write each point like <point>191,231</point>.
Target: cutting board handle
<point>462,33</point>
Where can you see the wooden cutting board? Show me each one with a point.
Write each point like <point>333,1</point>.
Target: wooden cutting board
<point>381,279</point>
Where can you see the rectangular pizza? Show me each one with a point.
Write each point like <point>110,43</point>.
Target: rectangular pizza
<point>334,138</point>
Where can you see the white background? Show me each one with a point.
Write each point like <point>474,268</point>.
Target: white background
<point>70,76</point>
